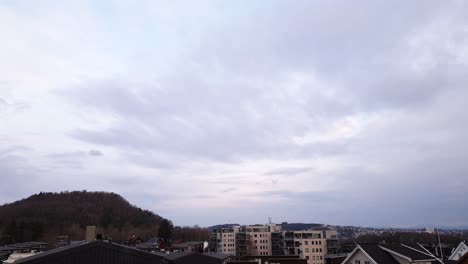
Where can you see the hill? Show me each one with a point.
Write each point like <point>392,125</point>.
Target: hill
<point>45,216</point>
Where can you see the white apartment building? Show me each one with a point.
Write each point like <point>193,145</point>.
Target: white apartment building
<point>309,244</point>
<point>266,240</point>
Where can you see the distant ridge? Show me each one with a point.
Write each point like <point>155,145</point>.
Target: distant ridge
<point>300,226</point>
<point>285,226</point>
<point>211,228</point>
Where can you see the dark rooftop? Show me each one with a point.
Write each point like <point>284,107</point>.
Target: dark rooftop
<point>96,252</point>
<point>146,246</point>
<point>378,254</point>
<point>410,252</point>
<point>217,255</point>
<point>4,255</point>
<point>177,255</point>
<point>24,246</point>
<point>191,243</point>
<point>194,258</point>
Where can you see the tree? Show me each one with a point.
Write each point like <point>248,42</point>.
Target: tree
<point>11,231</point>
<point>166,230</point>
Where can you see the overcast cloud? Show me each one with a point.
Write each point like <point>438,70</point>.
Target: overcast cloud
<point>207,112</point>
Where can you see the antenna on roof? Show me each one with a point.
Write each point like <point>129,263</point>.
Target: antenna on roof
<point>440,245</point>
<point>428,252</point>
<point>269,220</point>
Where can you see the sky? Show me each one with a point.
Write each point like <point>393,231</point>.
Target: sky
<point>209,112</point>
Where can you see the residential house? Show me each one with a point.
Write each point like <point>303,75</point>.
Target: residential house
<point>192,246</point>
<point>223,258</point>
<point>4,255</point>
<point>388,254</point>
<point>13,252</point>
<point>290,259</point>
<point>459,251</point>
<point>335,258</point>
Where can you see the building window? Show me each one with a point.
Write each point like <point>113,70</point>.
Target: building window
<point>307,250</point>
<point>306,242</point>
<point>357,262</point>
<point>367,262</point>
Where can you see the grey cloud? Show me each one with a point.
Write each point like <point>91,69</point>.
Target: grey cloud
<point>240,112</point>
<point>228,190</point>
<point>68,155</point>
<point>67,159</point>
<point>290,171</point>
<point>14,106</point>
<point>15,170</point>
<point>311,197</point>
<point>95,152</point>
<point>205,196</point>
<point>361,50</point>
<point>14,149</point>
<point>3,104</point>
<point>75,154</point>
<point>222,130</point>
<point>72,159</point>
<point>153,159</point>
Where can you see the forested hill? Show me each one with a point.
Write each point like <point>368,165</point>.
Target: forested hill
<point>45,216</point>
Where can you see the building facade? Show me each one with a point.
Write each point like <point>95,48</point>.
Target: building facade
<point>223,240</point>
<point>312,245</point>
<point>270,240</point>
<point>459,251</point>
<point>388,254</point>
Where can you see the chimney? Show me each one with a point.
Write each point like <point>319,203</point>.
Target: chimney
<point>90,233</point>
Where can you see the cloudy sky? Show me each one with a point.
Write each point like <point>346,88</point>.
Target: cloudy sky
<point>207,112</point>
